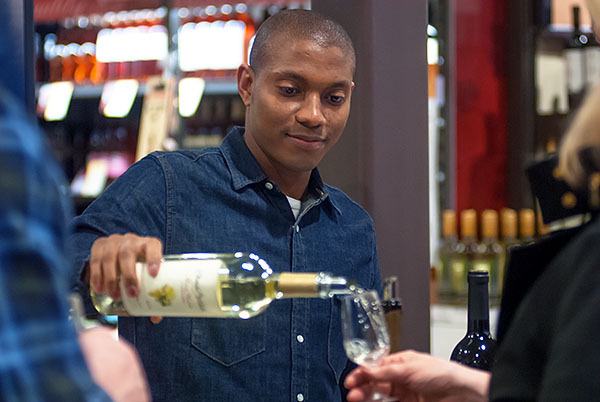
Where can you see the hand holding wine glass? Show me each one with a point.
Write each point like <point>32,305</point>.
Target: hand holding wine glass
<point>366,339</point>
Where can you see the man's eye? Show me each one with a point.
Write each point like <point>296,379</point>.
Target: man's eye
<point>288,91</point>
<point>336,99</point>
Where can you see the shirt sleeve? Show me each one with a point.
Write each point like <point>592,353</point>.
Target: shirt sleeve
<point>40,355</point>
<point>134,203</point>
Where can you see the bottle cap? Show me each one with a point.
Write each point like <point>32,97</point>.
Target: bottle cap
<point>526,223</point>
<point>448,223</point>
<point>468,223</point>
<point>297,284</point>
<point>508,223</point>
<point>489,224</point>
<point>478,277</point>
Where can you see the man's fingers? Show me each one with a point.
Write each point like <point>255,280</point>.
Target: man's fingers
<point>95,266</point>
<point>357,378</point>
<point>152,252</point>
<point>359,394</point>
<point>155,319</point>
<point>95,271</point>
<point>400,357</point>
<point>126,259</point>
<point>109,270</point>
<point>394,373</point>
<point>114,258</point>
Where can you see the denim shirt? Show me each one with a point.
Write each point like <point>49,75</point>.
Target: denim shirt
<point>220,200</point>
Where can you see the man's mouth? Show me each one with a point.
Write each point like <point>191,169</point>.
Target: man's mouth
<point>309,142</point>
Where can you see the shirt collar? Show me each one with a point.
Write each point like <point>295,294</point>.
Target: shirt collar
<point>245,170</point>
<point>243,167</point>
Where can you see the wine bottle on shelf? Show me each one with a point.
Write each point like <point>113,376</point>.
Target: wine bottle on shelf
<point>236,285</point>
<point>477,348</point>
<point>575,55</point>
<point>392,307</point>
<point>448,253</point>
<point>467,248</point>
<point>488,252</point>
<point>526,226</point>
<point>508,230</point>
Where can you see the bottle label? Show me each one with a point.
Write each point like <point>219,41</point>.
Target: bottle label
<point>185,288</point>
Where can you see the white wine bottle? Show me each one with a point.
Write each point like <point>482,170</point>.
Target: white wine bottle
<point>236,285</point>
<point>462,263</point>
<point>526,226</point>
<point>489,253</point>
<point>509,229</point>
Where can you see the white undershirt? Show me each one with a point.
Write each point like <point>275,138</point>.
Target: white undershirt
<point>295,205</point>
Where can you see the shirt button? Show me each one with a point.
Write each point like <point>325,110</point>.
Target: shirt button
<point>269,185</point>
<point>299,397</point>
<point>300,338</point>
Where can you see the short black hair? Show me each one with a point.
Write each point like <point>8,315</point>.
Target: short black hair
<point>291,25</point>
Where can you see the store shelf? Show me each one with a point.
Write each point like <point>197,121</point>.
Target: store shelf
<point>217,86</point>
<point>54,10</point>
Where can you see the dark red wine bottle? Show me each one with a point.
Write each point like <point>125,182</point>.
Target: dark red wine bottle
<point>477,348</point>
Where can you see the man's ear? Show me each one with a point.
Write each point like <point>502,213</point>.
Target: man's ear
<point>245,79</point>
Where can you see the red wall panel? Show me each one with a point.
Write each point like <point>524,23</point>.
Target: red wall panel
<point>481,103</point>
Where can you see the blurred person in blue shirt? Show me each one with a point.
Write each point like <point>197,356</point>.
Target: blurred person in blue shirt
<point>40,357</point>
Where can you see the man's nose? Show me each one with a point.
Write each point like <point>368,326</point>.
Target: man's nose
<point>310,113</point>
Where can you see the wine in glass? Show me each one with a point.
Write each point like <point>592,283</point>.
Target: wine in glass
<point>366,339</point>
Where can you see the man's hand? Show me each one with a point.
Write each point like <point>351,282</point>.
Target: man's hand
<point>114,365</point>
<point>114,257</point>
<point>419,377</point>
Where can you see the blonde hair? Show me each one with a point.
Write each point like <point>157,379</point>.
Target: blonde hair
<point>585,128</point>
<point>583,132</point>
<point>594,8</point>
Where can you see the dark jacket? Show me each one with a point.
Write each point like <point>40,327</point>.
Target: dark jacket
<point>550,351</point>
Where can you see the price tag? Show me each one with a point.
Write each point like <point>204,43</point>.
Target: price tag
<point>156,116</point>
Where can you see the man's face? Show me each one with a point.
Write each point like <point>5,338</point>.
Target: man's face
<point>297,105</point>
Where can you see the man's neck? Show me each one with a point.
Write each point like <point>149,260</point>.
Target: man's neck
<point>291,183</point>
<point>292,188</point>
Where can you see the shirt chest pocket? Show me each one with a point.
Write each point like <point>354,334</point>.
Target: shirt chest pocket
<point>229,341</point>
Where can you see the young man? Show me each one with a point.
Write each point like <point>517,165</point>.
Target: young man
<point>261,192</point>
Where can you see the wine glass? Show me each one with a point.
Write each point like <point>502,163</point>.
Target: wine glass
<point>366,339</point>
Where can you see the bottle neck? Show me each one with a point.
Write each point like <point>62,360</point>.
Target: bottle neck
<point>320,284</point>
<point>330,286</point>
<point>478,310</point>
<point>451,239</point>
<point>468,239</point>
